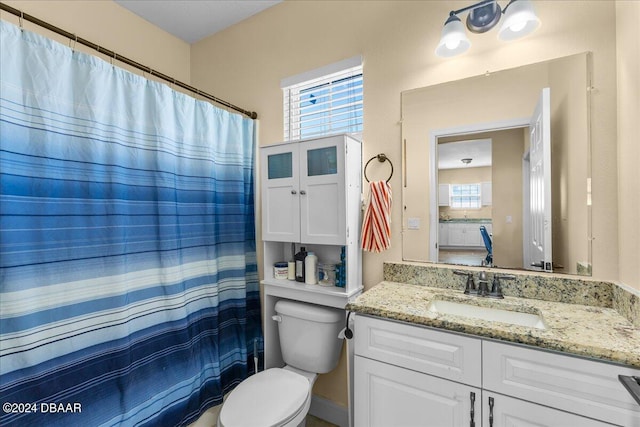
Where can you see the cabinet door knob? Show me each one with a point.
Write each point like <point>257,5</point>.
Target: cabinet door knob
<point>302,192</point>
<point>294,192</point>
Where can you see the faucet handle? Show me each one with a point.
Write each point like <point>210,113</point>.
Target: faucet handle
<point>496,289</point>
<point>470,287</point>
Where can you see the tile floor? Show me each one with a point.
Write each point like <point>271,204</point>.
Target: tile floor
<point>210,419</point>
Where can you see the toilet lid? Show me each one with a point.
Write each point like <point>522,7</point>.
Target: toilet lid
<point>269,398</point>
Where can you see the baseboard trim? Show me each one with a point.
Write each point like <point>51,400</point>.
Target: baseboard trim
<point>329,411</point>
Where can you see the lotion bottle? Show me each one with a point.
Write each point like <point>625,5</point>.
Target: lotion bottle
<point>311,269</point>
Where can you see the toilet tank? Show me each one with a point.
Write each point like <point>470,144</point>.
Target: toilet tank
<point>309,335</point>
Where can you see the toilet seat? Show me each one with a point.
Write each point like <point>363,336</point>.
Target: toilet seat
<point>270,398</point>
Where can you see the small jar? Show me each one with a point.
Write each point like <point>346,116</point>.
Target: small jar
<point>280,270</point>
<point>327,274</point>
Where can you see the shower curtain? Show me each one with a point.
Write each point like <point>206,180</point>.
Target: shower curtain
<point>128,280</point>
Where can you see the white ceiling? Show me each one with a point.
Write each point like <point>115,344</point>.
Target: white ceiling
<point>193,20</point>
<point>450,154</point>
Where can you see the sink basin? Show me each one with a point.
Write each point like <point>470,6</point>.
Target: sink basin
<point>487,313</point>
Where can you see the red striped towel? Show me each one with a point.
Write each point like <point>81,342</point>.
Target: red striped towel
<point>376,226</point>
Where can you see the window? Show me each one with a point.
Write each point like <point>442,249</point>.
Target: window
<point>464,196</point>
<point>324,101</point>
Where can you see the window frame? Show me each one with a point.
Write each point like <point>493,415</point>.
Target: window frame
<point>476,196</point>
<point>328,76</point>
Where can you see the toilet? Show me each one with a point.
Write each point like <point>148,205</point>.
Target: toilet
<point>282,396</point>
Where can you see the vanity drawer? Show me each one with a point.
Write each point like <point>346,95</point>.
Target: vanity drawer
<point>442,354</point>
<point>581,386</point>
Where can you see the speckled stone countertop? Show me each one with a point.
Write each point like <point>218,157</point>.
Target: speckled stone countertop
<point>583,330</point>
<point>466,220</point>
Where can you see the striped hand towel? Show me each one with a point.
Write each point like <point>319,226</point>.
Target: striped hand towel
<point>376,226</point>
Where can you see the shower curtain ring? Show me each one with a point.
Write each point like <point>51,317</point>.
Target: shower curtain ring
<point>21,21</point>
<point>74,40</point>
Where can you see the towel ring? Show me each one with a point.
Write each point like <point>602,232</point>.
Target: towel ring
<point>381,158</point>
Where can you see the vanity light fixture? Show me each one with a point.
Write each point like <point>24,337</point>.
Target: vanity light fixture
<point>519,20</point>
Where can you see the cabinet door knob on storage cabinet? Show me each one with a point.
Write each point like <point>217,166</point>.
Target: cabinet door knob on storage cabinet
<point>302,192</point>
<point>294,192</point>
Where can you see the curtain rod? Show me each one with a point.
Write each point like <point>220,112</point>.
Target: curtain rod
<point>115,56</point>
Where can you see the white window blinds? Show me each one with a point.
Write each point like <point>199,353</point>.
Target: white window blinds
<point>324,101</point>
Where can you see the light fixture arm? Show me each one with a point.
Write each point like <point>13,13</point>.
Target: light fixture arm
<point>471,7</point>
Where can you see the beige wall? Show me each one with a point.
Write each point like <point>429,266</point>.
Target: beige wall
<point>245,64</point>
<point>506,151</point>
<point>569,128</point>
<point>113,27</point>
<point>628,72</point>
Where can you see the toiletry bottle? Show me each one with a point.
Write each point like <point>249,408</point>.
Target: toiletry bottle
<point>343,268</point>
<point>291,270</point>
<point>299,259</point>
<point>311,269</point>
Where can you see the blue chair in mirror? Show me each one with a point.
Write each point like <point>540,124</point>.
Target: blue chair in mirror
<point>487,244</point>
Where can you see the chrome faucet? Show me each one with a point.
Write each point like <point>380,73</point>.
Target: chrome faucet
<point>483,285</point>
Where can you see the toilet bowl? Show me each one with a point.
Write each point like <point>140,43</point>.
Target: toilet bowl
<point>275,397</point>
<point>282,396</point>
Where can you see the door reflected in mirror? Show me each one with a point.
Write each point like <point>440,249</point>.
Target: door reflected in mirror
<point>476,176</point>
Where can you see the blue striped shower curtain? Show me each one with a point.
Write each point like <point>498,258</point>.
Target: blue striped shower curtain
<point>128,280</point>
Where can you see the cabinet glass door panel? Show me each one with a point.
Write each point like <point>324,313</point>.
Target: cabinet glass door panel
<point>322,161</point>
<point>322,192</point>
<point>280,165</point>
<point>280,192</point>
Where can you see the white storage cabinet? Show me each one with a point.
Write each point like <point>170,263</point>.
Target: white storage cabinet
<point>311,196</point>
<point>305,189</point>
<point>409,375</point>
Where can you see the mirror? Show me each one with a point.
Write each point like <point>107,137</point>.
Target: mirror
<point>490,117</point>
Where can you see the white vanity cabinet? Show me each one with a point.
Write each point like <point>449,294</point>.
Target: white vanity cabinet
<point>443,235</point>
<point>386,395</point>
<point>306,189</point>
<point>407,375</point>
<point>463,234</point>
<point>411,376</point>
<point>500,410</point>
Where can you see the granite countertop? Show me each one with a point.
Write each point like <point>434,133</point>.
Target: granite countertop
<point>467,220</point>
<point>583,330</point>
